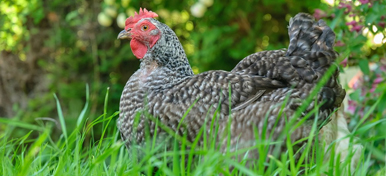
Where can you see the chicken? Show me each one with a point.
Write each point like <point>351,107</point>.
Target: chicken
<point>252,94</point>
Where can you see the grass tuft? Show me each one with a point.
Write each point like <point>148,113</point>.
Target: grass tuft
<point>78,154</point>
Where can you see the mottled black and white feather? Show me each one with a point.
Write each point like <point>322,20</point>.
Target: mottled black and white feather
<point>165,87</point>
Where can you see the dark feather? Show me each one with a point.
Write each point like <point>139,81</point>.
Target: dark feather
<point>165,87</point>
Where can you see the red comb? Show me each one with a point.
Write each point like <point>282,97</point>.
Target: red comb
<point>130,22</point>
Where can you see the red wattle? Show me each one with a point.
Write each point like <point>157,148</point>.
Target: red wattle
<point>138,48</point>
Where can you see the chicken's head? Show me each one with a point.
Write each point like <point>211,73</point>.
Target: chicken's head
<point>142,31</point>
<point>153,41</point>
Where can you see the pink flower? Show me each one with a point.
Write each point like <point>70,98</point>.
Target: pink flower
<point>352,106</point>
<point>378,80</point>
<point>318,14</point>
<point>357,84</point>
<point>383,68</point>
<point>340,43</point>
<point>348,8</point>
<point>353,23</point>
<point>343,5</point>
<point>382,24</point>
<point>364,1</point>
<point>356,28</point>
<point>373,87</point>
<point>344,62</point>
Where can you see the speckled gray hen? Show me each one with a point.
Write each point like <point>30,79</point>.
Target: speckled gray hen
<point>165,87</point>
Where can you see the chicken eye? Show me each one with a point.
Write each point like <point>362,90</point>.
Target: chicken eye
<point>145,27</point>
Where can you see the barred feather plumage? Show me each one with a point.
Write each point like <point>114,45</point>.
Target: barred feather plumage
<point>165,87</point>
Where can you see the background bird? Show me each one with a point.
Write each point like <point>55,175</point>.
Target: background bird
<point>262,92</point>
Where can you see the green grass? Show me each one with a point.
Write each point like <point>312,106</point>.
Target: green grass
<point>79,152</point>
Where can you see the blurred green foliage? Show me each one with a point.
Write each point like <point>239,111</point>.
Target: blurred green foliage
<point>74,43</point>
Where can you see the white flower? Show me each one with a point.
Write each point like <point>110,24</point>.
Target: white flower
<point>198,9</point>
<point>104,19</point>
<point>207,3</point>
<point>121,20</point>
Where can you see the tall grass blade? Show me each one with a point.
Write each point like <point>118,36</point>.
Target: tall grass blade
<point>21,124</point>
<point>82,114</point>
<point>61,119</point>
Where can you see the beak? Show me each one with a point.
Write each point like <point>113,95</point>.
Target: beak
<point>124,34</point>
